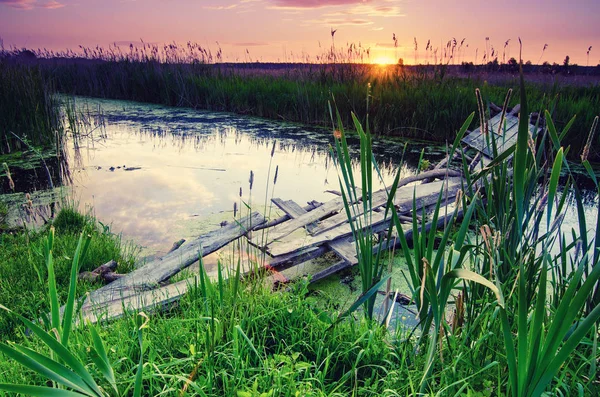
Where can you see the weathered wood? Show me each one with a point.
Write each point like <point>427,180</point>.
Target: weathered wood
<point>148,276</point>
<point>274,222</point>
<point>393,242</point>
<point>345,249</point>
<point>284,229</point>
<point>145,300</point>
<point>508,137</point>
<point>281,247</point>
<point>283,262</point>
<point>104,272</point>
<point>293,210</point>
<point>176,245</point>
<point>425,194</point>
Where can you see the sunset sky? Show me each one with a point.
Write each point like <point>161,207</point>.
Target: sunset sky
<point>288,30</point>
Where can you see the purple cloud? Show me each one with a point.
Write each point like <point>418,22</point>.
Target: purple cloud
<point>31,4</point>
<point>52,4</point>
<point>19,4</point>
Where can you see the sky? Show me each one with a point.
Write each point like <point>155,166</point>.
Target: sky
<point>300,30</point>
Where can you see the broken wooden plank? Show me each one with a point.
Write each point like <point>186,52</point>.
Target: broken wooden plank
<point>393,242</point>
<point>378,222</point>
<point>283,262</point>
<point>504,140</point>
<point>293,210</point>
<point>281,247</point>
<point>345,249</point>
<point>280,231</point>
<point>426,194</point>
<point>148,276</point>
<point>145,300</point>
<point>274,222</point>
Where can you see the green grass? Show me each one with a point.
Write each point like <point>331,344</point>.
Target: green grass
<point>23,269</point>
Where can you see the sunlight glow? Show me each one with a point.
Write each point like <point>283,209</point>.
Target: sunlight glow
<point>384,60</point>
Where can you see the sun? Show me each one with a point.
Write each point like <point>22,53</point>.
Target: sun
<point>384,60</point>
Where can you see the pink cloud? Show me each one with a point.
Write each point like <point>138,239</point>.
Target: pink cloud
<point>52,4</point>
<point>31,4</point>
<point>19,4</point>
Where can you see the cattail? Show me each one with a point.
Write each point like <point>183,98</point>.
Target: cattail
<point>273,148</point>
<point>251,180</point>
<point>588,143</point>
<point>276,173</point>
<point>11,183</point>
<point>458,200</point>
<point>234,209</point>
<point>240,191</point>
<point>531,144</point>
<point>482,123</point>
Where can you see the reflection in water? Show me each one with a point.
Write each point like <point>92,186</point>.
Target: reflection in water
<point>159,174</point>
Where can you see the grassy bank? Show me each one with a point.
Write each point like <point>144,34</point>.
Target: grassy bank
<point>23,273</point>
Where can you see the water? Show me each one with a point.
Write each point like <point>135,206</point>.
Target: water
<point>158,174</point>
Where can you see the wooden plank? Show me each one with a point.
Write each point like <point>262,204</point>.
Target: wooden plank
<point>146,300</point>
<point>283,262</point>
<point>425,195</point>
<point>393,242</point>
<point>505,140</point>
<point>478,141</point>
<point>148,276</point>
<point>345,249</point>
<point>293,210</point>
<point>284,229</point>
<point>281,247</point>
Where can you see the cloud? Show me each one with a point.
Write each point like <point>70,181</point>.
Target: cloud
<point>342,12</point>
<point>31,4</point>
<point>52,5</point>
<point>19,4</point>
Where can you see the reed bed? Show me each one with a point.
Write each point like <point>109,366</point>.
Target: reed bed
<point>422,102</point>
<point>29,109</point>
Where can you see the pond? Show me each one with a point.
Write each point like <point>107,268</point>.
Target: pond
<point>158,174</point>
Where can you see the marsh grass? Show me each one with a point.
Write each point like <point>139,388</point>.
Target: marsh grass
<point>29,108</point>
<point>413,104</point>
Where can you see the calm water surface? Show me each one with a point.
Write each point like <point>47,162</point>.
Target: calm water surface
<point>158,174</point>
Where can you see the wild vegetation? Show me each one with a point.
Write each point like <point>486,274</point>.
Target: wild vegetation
<point>402,98</point>
<point>508,303</point>
<point>30,110</point>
